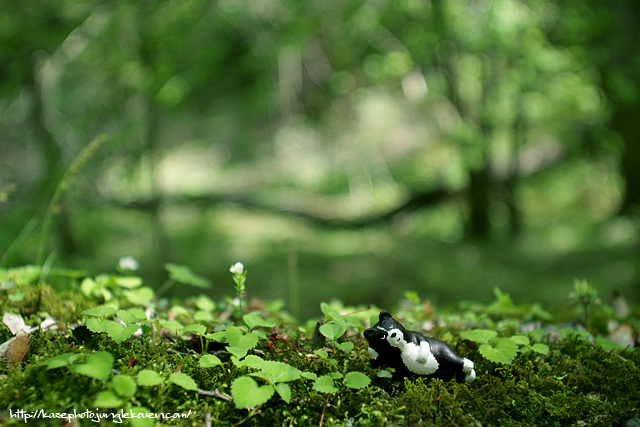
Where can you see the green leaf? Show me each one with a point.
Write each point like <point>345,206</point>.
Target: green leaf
<point>238,352</point>
<point>17,296</point>
<point>129,282</point>
<point>147,377</point>
<point>504,351</point>
<point>240,343</point>
<point>284,391</point>
<point>205,303</point>
<point>61,360</point>
<point>203,316</point>
<point>141,421</point>
<point>97,366</point>
<point>322,354</point>
<point>384,374</point>
<point>123,385</point>
<point>216,336</point>
<point>139,296</point>
<point>107,399</point>
<point>179,310</point>
<point>183,274</point>
<point>308,375</point>
<point>329,312</point>
<point>128,317</point>
<point>183,380</point>
<point>252,361</point>
<point>209,360</point>
<point>247,393</point>
<point>97,325</point>
<point>278,372</point>
<point>253,320</point>
<point>234,335</point>
<point>356,380</point>
<point>6,285</point>
<point>520,339</point>
<point>333,330</point>
<point>324,384</point>
<point>346,346</point>
<point>119,333</point>
<point>100,311</point>
<point>196,328</point>
<point>540,348</point>
<point>479,335</point>
<point>171,325</point>
<point>87,286</point>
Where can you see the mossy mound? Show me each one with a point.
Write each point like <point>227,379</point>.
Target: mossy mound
<point>576,383</point>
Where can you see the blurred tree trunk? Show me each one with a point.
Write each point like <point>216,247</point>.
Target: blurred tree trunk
<point>625,118</point>
<point>625,122</point>
<point>479,202</point>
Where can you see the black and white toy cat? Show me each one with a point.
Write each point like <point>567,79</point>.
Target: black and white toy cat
<point>411,353</point>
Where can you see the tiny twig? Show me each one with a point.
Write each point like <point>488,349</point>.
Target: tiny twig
<point>274,337</point>
<point>323,409</point>
<point>215,393</point>
<point>251,414</point>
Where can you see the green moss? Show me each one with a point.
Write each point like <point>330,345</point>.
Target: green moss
<point>577,383</point>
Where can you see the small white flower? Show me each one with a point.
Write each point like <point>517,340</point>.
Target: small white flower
<point>128,263</point>
<point>237,268</point>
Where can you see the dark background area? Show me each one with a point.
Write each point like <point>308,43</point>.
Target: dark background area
<point>351,150</point>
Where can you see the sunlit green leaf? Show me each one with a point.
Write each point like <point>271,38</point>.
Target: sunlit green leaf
<point>98,366</point>
<point>251,361</point>
<point>129,282</point>
<point>129,317</point>
<point>346,346</point>
<point>101,311</point>
<point>324,384</point>
<point>356,380</point>
<point>203,316</point>
<point>107,399</point>
<point>284,391</point>
<point>254,320</point>
<point>195,328</point>
<point>479,335</point>
<point>123,385</point>
<point>503,351</point>
<point>205,303</point>
<point>520,339</point>
<point>62,360</point>
<point>87,286</point>
<point>308,375</point>
<point>333,329</point>
<point>17,296</point>
<point>171,325</point>
<point>97,325</point>
<point>147,377</point>
<point>183,274</point>
<point>183,380</point>
<point>276,372</point>
<point>247,393</point>
<point>540,348</point>
<point>139,296</point>
<point>384,374</point>
<point>209,360</point>
<point>118,332</point>
<point>141,421</point>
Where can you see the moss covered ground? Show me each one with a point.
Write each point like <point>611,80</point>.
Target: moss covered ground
<point>573,379</point>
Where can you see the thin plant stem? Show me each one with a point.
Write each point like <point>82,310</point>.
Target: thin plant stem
<point>63,186</point>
